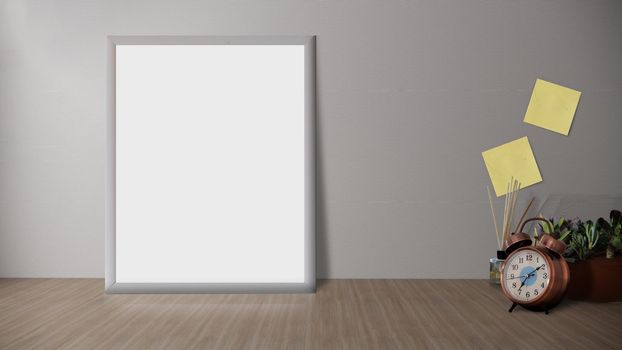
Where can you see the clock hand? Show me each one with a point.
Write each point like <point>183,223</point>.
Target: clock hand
<point>529,275</point>
<point>522,284</point>
<point>513,278</point>
<point>532,273</point>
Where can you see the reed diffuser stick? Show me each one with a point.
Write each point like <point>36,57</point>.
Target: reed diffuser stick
<point>510,201</point>
<point>510,204</point>
<point>494,220</point>
<point>513,204</point>
<point>524,214</point>
<point>506,232</point>
<point>505,211</point>
<point>518,187</point>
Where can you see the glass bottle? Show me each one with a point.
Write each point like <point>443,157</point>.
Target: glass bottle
<point>495,266</point>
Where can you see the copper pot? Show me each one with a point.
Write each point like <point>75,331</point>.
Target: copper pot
<point>597,279</point>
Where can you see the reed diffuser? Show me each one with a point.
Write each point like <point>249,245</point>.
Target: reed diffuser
<point>511,198</point>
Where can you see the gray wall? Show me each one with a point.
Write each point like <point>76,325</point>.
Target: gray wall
<point>410,93</point>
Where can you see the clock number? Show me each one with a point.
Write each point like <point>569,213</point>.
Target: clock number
<point>545,275</point>
<point>520,260</point>
<point>513,284</point>
<point>515,267</point>
<point>529,257</point>
<point>527,294</point>
<point>511,275</point>
<point>542,285</point>
<point>535,292</point>
<point>537,259</point>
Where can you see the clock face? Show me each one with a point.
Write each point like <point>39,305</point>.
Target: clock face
<point>526,275</point>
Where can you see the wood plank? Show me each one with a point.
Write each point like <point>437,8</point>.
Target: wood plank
<point>343,314</point>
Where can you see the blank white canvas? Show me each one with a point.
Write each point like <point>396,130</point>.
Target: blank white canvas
<point>210,164</point>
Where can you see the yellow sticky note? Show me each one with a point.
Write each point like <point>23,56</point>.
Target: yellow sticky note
<point>552,106</point>
<point>511,160</point>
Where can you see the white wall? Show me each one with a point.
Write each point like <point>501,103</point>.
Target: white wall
<point>409,93</point>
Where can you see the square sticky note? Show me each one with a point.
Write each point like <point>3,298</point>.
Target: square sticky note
<point>511,160</point>
<point>552,106</point>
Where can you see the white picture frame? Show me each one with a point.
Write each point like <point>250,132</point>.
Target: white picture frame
<point>139,232</point>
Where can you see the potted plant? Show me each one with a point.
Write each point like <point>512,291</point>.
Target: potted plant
<point>613,230</point>
<point>595,268</point>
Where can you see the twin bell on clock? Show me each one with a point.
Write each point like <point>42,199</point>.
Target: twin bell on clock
<point>534,277</point>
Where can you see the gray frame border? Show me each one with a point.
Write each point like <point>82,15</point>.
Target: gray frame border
<point>111,286</point>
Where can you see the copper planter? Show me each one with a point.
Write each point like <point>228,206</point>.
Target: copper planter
<point>597,279</point>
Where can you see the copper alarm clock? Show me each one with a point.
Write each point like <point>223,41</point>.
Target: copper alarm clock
<point>535,277</point>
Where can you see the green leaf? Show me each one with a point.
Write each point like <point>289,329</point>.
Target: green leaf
<point>564,234</point>
<point>603,224</point>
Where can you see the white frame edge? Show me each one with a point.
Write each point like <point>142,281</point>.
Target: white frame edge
<point>111,285</point>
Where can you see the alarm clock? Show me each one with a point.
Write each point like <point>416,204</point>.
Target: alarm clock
<point>534,277</point>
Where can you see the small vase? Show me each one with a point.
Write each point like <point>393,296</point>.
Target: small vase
<point>495,267</point>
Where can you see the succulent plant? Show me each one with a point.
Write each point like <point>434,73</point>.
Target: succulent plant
<point>562,228</point>
<point>587,239</point>
<point>578,247</point>
<point>584,241</point>
<point>612,230</point>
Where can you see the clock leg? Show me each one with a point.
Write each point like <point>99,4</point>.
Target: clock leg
<point>512,307</point>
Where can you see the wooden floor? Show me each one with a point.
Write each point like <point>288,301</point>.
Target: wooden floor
<point>343,314</point>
